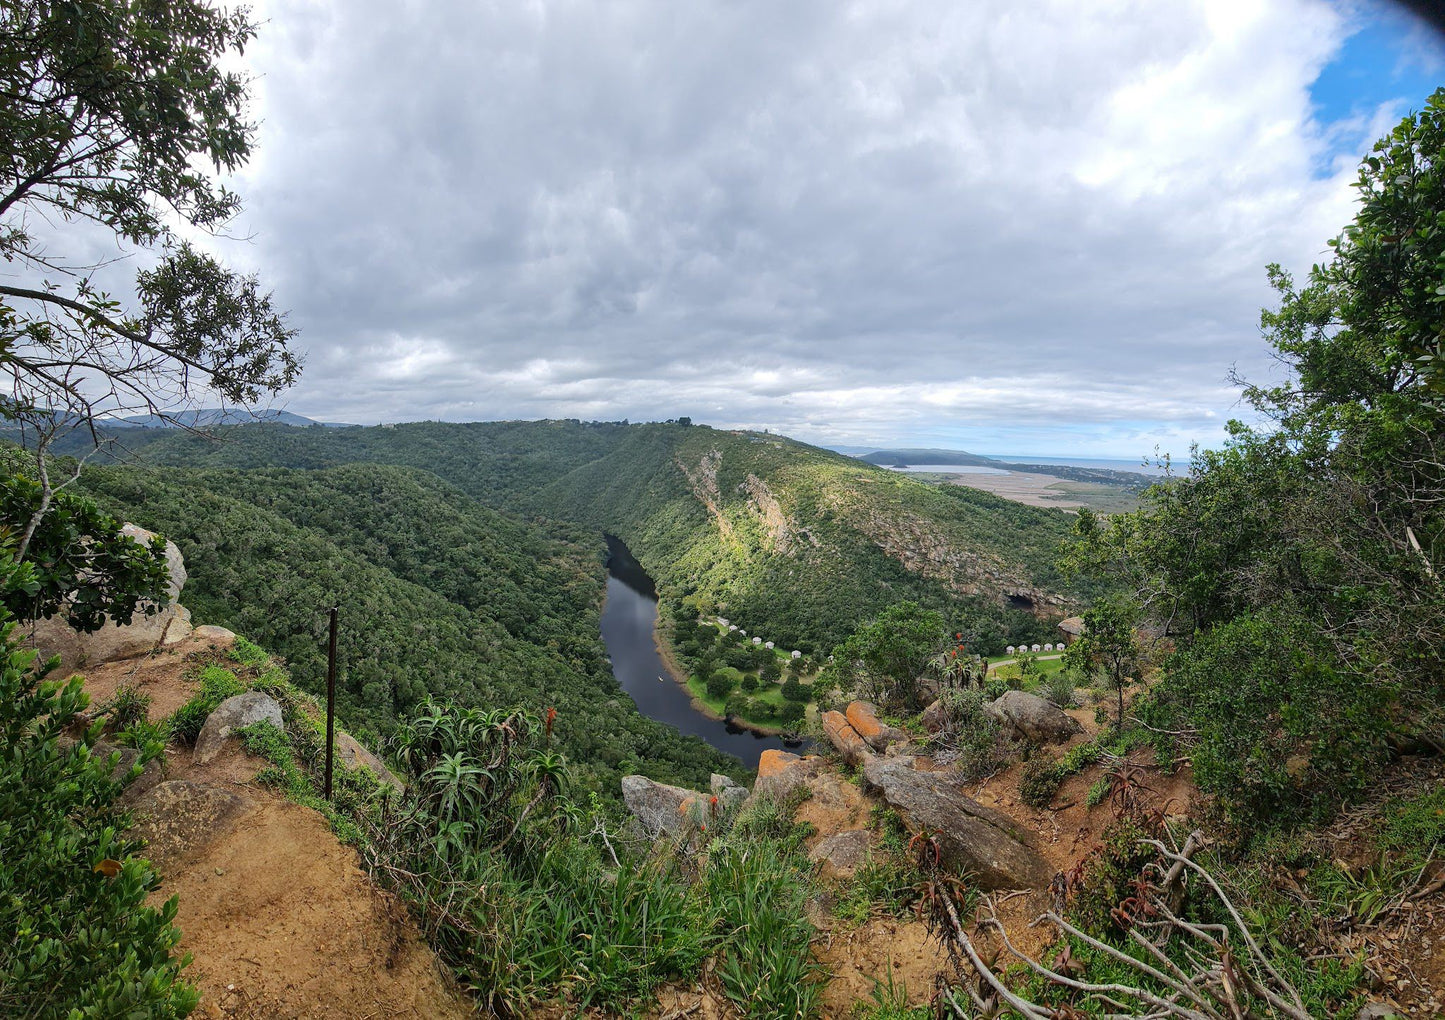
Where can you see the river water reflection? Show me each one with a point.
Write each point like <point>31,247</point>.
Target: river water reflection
<point>628,622</point>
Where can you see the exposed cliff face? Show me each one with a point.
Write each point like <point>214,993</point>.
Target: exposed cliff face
<point>920,544</point>
<point>917,543</point>
<point>703,479</point>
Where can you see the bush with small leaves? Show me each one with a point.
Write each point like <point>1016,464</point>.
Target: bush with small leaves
<point>1039,780</point>
<point>80,939</point>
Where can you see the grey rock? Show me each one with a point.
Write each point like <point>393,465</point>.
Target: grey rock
<point>231,715</point>
<point>179,818</point>
<point>354,755</point>
<point>1377,1011</point>
<point>729,792</point>
<point>1033,718</point>
<point>843,853</point>
<point>974,840</point>
<point>144,634</point>
<point>660,808</point>
<point>218,636</point>
<point>935,716</point>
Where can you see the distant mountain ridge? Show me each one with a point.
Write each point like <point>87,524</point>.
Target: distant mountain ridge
<point>206,417</point>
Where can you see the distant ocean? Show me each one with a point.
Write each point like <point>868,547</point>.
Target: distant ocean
<point>1111,463</point>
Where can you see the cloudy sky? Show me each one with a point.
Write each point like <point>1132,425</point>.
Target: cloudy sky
<point>1011,227</point>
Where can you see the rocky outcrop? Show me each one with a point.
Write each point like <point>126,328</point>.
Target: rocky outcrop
<point>848,742</point>
<point>220,637</point>
<point>665,810</point>
<point>843,853</point>
<point>354,755</point>
<point>863,717</point>
<point>730,794</point>
<point>974,840</point>
<point>231,715</point>
<point>165,625</point>
<point>780,773</point>
<point>1033,717</point>
<point>179,818</point>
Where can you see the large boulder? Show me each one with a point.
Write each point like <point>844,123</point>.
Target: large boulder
<point>848,742</point>
<point>780,773</point>
<point>179,818</point>
<point>661,809</point>
<point>231,715</point>
<point>974,840</point>
<point>1033,717</point>
<point>842,854</point>
<point>163,625</point>
<point>863,717</point>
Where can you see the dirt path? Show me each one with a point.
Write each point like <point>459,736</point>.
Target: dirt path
<point>281,922</point>
<point>279,918</point>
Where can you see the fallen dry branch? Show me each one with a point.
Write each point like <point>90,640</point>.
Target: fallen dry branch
<point>1187,971</point>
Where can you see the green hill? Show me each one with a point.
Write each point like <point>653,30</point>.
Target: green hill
<point>441,597</point>
<point>791,540</point>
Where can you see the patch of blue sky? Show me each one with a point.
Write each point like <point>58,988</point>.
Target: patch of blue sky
<point>1388,65</point>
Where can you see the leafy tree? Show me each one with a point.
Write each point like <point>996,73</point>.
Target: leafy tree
<point>110,114</point>
<point>1110,645</point>
<point>888,654</point>
<point>770,673</point>
<point>719,684</point>
<point>1312,544</point>
<point>81,564</point>
<point>794,691</point>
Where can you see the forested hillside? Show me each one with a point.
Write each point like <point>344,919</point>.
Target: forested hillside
<point>788,539</point>
<point>441,597</point>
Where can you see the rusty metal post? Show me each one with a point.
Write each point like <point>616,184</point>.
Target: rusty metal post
<point>330,700</point>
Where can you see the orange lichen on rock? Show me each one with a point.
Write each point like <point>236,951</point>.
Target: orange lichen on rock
<point>845,738</point>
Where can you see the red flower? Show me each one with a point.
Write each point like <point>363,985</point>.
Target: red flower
<point>551,718</point>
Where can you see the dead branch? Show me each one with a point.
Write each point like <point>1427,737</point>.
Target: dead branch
<point>1209,971</point>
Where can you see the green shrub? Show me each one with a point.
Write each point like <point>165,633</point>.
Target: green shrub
<point>765,964</point>
<point>126,707</point>
<point>1058,687</point>
<point>79,938</point>
<point>794,690</point>
<point>1108,873</point>
<point>1039,780</point>
<point>738,705</point>
<point>1099,791</point>
<point>792,713</point>
<point>748,683</point>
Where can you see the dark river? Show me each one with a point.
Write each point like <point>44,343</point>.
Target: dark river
<point>628,621</point>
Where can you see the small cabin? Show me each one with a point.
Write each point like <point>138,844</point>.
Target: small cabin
<point>797,654</point>
<point>768,645</point>
<point>1010,649</point>
<point>1035,648</point>
<point>757,640</point>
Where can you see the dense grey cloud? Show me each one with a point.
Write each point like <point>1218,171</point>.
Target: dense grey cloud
<point>1010,225</point>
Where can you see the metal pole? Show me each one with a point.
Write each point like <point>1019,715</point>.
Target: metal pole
<point>330,700</point>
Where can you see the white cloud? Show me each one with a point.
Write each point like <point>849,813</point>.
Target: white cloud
<point>848,221</point>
